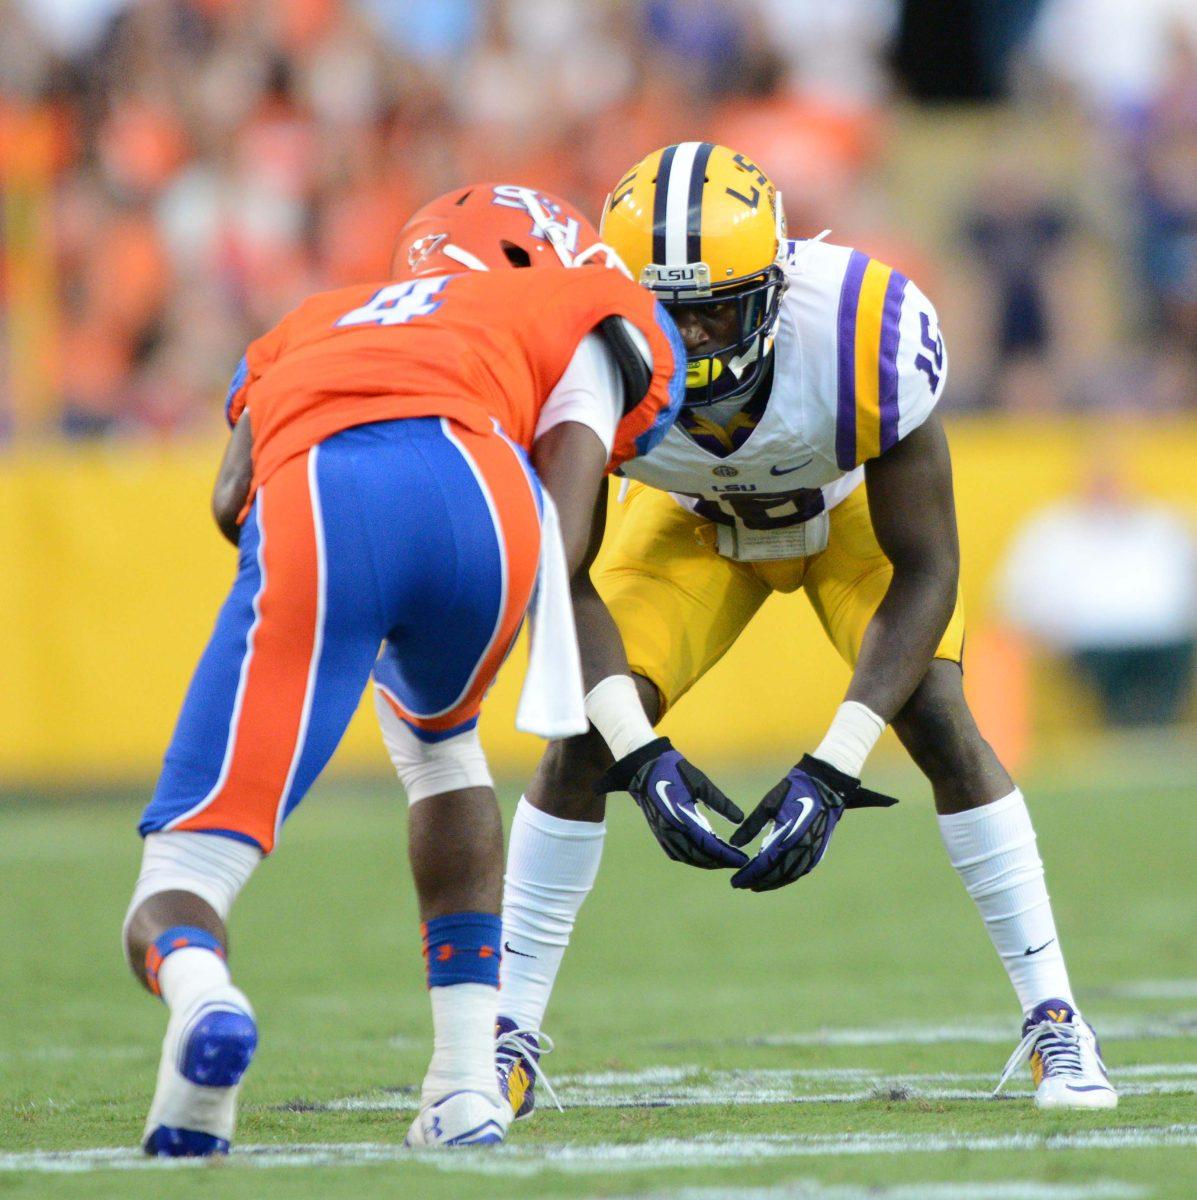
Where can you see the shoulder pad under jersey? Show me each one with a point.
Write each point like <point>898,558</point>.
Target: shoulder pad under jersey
<point>874,362</point>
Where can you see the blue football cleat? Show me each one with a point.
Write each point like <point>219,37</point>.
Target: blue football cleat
<point>517,1059</point>
<point>207,1050</point>
<point>1065,1057</point>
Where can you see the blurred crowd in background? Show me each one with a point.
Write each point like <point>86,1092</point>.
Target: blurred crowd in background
<point>176,174</point>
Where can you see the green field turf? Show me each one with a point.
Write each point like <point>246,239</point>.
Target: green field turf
<point>835,1037</point>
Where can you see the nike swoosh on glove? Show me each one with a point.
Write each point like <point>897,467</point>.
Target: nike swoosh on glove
<point>668,790</point>
<point>804,808</point>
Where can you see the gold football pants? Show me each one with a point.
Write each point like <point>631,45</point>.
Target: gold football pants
<point>680,605</point>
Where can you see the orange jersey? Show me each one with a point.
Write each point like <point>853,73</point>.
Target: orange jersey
<point>476,347</point>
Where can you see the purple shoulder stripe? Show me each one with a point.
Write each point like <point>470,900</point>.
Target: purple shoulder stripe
<point>845,418</point>
<point>887,381</point>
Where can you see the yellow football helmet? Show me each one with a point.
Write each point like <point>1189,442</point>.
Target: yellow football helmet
<point>702,226</point>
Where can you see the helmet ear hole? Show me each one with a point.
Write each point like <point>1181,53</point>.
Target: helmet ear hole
<point>517,256</point>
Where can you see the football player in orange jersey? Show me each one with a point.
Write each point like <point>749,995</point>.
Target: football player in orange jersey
<point>408,462</point>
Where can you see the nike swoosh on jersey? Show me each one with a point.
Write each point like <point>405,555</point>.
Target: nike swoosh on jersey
<point>510,949</point>
<point>790,470</point>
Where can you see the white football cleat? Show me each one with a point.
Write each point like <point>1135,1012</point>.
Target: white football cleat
<point>1065,1058</point>
<point>461,1119</point>
<point>207,1048</point>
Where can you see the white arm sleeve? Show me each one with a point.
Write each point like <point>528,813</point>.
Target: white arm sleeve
<point>590,391</point>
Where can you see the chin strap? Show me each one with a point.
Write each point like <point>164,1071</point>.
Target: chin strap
<point>608,253</point>
<point>803,248</point>
<point>458,255</point>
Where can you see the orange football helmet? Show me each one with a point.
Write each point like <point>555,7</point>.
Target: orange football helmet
<point>494,226</point>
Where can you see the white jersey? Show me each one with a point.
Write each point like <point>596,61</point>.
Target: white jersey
<point>858,363</point>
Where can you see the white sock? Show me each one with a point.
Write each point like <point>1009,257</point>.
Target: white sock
<point>187,975</point>
<point>551,867</point>
<point>463,1028</point>
<point>993,850</point>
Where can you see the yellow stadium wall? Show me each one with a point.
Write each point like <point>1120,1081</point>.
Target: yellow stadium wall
<point>111,573</point>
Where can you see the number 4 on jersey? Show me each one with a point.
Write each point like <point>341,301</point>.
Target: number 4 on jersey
<point>398,303</point>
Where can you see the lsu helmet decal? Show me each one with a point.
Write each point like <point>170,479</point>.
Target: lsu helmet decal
<point>702,226</point>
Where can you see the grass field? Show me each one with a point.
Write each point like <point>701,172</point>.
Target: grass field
<point>835,1040</point>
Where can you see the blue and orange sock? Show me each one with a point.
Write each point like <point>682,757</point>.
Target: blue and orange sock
<point>176,938</point>
<point>463,948</point>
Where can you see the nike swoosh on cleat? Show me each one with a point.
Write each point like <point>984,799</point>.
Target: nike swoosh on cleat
<point>788,470</point>
<point>1028,951</point>
<point>1089,1087</point>
<point>512,950</point>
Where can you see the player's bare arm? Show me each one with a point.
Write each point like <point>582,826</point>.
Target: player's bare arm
<point>233,480</point>
<point>914,517</point>
<point>570,460</point>
<point>599,642</point>
<point>560,785</point>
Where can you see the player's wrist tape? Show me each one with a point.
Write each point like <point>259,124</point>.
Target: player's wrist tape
<point>176,938</point>
<point>613,707</point>
<point>852,735</point>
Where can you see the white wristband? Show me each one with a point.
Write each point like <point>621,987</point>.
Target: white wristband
<point>614,709</point>
<point>854,732</point>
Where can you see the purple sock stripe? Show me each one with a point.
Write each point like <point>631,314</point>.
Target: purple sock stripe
<point>845,421</point>
<point>887,368</point>
<point>463,948</point>
<point>176,938</point>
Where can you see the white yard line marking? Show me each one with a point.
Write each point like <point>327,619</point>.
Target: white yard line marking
<point>709,1097</point>
<point>1154,989</point>
<point>1170,1025</point>
<point>986,1032</point>
<point>76,1053</point>
<point>714,1150</point>
<point>1149,1070</point>
<point>692,1087</point>
<point>1099,1189</point>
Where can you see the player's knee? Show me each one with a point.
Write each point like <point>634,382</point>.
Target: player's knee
<point>937,728</point>
<point>186,879</point>
<point>430,768</point>
<point>563,784</point>
<point>650,697</point>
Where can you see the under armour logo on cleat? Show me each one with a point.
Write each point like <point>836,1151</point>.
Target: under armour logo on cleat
<point>512,950</point>
<point>1028,951</point>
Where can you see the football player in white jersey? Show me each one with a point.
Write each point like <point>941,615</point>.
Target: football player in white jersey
<point>809,454</point>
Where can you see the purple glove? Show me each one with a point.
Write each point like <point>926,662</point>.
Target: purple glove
<point>668,790</point>
<point>804,808</point>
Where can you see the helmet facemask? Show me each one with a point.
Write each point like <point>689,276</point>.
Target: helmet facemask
<point>733,368</point>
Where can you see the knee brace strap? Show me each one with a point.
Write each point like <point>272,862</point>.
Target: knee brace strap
<point>212,867</point>
<point>429,768</point>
